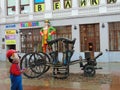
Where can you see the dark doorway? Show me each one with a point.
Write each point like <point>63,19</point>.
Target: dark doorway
<point>11,47</point>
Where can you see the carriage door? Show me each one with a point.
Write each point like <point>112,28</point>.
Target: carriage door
<point>89,38</point>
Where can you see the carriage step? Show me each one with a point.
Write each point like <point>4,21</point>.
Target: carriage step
<point>63,67</point>
<point>60,72</point>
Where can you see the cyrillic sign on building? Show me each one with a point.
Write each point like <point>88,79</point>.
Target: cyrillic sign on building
<point>39,5</point>
<point>10,37</point>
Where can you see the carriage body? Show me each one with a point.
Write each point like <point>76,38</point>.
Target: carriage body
<point>58,58</point>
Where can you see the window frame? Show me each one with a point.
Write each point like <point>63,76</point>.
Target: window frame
<point>65,32</point>
<point>87,36</point>
<point>22,7</point>
<point>12,7</point>
<point>30,41</point>
<point>114,38</point>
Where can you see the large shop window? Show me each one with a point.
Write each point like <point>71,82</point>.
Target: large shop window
<point>39,5</point>
<point>89,37</point>
<point>11,7</point>
<point>56,4</point>
<point>30,40</point>
<point>65,32</point>
<point>114,36</point>
<point>24,6</point>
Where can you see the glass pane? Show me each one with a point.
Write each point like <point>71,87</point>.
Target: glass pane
<point>65,32</point>
<point>114,36</point>
<point>10,11</point>
<point>11,3</point>
<point>118,40</point>
<point>23,2</point>
<point>89,36</point>
<point>11,7</point>
<point>26,9</point>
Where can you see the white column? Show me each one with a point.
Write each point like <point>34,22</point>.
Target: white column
<point>75,7</point>
<point>62,4</point>
<point>102,8</point>
<point>88,2</point>
<point>104,41</point>
<point>75,34</point>
<point>17,12</point>
<point>18,41</point>
<point>3,7</point>
<point>31,6</point>
<point>75,3</point>
<point>31,9</point>
<point>102,2</point>
<point>3,10</point>
<point>17,7</point>
<point>104,36</point>
<point>48,8</point>
<point>118,1</point>
<point>48,5</point>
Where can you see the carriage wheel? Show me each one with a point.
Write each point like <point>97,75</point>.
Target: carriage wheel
<point>27,61</point>
<point>47,59</point>
<point>89,71</point>
<point>38,63</point>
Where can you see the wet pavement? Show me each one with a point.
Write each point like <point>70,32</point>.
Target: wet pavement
<point>107,78</point>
